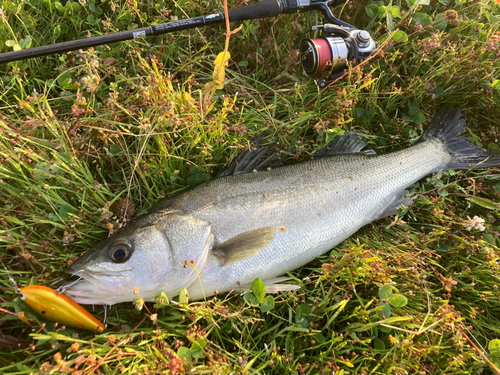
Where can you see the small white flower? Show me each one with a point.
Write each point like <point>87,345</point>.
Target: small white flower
<point>475,223</point>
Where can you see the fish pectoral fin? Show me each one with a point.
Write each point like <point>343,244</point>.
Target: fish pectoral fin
<point>244,245</point>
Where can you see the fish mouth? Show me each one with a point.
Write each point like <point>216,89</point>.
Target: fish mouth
<point>98,288</point>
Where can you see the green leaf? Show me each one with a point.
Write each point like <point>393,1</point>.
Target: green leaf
<point>25,43</point>
<point>441,22</point>
<point>183,296</point>
<point>251,299</point>
<point>198,178</point>
<point>47,169</point>
<point>61,29</point>
<point>489,238</point>
<point>493,146</point>
<point>114,149</point>
<point>64,210</point>
<point>64,79</point>
<point>419,119</point>
<point>396,13</point>
<point>385,313</point>
<point>378,344</point>
<point>438,91</point>
<point>302,321</point>
<point>415,3</point>
<point>303,310</point>
<point>492,18</point>
<point>483,202</point>
<point>320,338</point>
<point>369,113</point>
<point>422,19</point>
<point>267,304</point>
<point>385,291</point>
<point>184,352</point>
<point>400,35</point>
<point>389,21</point>
<point>413,110</point>
<point>382,11</point>
<point>398,300</point>
<point>161,301</point>
<point>443,192</point>
<point>371,10</point>
<point>385,329</point>
<point>259,289</point>
<point>494,347</point>
<point>197,348</point>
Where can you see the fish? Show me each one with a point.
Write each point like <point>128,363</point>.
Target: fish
<point>59,308</point>
<point>265,222</point>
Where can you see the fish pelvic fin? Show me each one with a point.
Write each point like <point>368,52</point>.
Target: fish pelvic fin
<point>244,245</point>
<point>448,126</point>
<point>399,200</point>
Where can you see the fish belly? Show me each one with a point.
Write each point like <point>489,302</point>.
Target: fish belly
<point>313,206</point>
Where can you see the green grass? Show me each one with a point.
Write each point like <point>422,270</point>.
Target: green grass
<point>87,133</point>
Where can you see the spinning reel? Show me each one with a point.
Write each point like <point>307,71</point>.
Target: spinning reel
<point>325,58</point>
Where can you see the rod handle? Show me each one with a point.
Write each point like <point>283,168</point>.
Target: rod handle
<point>262,9</point>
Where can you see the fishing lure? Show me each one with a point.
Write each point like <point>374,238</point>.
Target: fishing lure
<point>59,308</point>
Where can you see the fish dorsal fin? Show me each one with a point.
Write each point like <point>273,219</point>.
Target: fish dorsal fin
<point>348,143</point>
<point>254,159</point>
<point>244,245</point>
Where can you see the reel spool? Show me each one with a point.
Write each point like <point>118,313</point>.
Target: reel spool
<point>327,55</point>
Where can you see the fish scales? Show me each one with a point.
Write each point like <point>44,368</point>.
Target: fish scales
<point>314,205</point>
<point>240,227</point>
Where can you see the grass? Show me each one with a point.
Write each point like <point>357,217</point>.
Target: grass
<point>90,138</point>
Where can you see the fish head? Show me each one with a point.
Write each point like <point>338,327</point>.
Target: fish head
<point>153,254</point>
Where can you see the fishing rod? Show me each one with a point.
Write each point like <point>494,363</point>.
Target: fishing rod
<point>323,57</point>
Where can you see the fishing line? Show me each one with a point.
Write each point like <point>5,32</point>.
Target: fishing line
<point>11,280</point>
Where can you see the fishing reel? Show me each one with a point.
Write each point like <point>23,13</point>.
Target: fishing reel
<point>324,58</point>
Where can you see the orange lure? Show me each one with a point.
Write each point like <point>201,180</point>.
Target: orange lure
<point>59,308</point>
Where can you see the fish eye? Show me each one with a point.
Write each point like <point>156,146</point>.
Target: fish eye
<point>120,251</point>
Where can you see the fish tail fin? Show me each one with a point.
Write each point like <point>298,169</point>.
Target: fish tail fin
<point>448,126</point>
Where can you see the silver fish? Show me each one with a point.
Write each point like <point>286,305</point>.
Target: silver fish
<point>225,233</point>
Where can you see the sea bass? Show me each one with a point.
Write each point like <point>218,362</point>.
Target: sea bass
<point>223,234</point>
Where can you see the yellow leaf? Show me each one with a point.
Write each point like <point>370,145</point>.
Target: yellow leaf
<point>213,85</point>
<point>220,66</point>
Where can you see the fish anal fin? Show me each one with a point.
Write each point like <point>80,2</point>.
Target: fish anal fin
<point>244,245</point>
<point>393,206</point>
